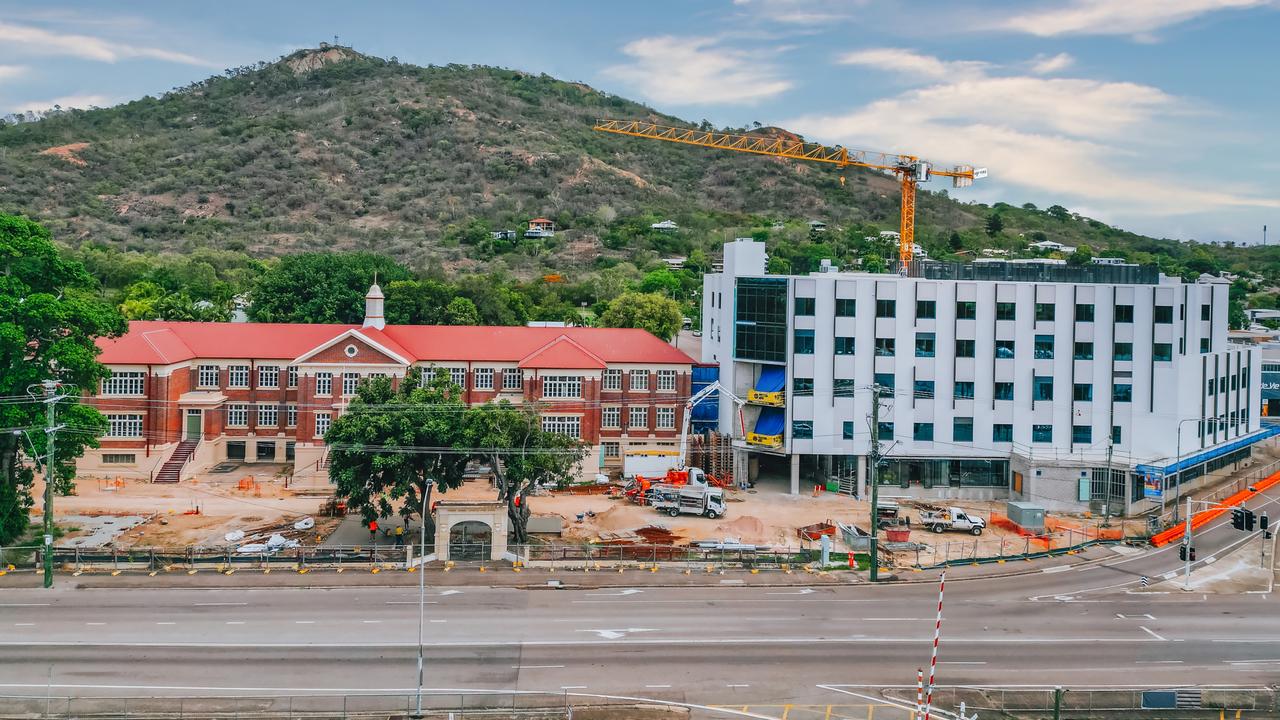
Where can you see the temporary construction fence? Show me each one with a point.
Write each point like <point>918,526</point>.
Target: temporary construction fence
<point>1038,702</point>
<point>193,557</point>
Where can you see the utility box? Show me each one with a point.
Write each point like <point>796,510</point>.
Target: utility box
<point>1025,515</point>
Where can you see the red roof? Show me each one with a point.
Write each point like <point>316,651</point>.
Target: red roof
<point>158,342</point>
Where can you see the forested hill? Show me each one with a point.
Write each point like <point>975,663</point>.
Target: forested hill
<point>332,149</point>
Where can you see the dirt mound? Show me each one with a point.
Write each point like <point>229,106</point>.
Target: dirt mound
<point>306,61</point>
<point>747,528</point>
<point>68,152</point>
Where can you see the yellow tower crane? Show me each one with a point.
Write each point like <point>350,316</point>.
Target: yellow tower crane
<point>909,169</point>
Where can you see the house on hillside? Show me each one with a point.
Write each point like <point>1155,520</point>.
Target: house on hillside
<point>540,228</point>
<point>503,234</point>
<point>667,226</point>
<point>674,263</point>
<point>1051,246</point>
<point>816,227</point>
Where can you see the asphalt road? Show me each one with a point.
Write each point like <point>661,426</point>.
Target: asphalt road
<point>713,645</point>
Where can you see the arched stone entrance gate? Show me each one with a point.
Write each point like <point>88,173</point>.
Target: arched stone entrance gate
<point>471,530</point>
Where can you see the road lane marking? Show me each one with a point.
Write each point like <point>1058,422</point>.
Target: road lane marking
<point>897,619</point>
<point>370,622</point>
<point>1157,662</point>
<point>738,685</point>
<point>619,632</point>
<point>25,604</point>
<point>235,622</point>
<point>625,591</point>
<point>1056,569</point>
<point>534,667</point>
<point>95,623</point>
<point>411,602</point>
<point>1152,633</point>
<point>573,687</point>
<point>657,686</point>
<point>166,623</point>
<point>852,640</point>
<point>24,624</point>
<point>438,621</point>
<point>962,662</point>
<point>219,604</point>
<point>304,622</point>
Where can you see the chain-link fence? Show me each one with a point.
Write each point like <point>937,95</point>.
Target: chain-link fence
<point>151,559</point>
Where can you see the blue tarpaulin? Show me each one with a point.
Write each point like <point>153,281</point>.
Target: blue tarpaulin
<point>1202,457</point>
<point>706,414</point>
<point>772,379</point>
<point>771,421</point>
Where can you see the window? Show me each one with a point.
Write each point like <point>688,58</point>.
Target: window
<point>1235,382</point>
<point>118,459</point>
<point>844,346</point>
<point>1123,351</point>
<point>457,376</point>
<point>846,431</point>
<point>922,432</point>
<point>124,426</point>
<point>923,389</point>
<point>844,387</point>
<point>1001,433</point>
<point>639,380</point>
<point>886,309</point>
<point>1044,347</point>
<point>638,417</point>
<point>268,376</point>
<point>1206,312</point>
<point>802,386</point>
<point>238,376</point>
<point>235,450</point>
<point>1082,434</point>
<point>926,309</point>
<point>1004,349</point>
<point>1084,313</point>
<point>1204,345</point>
<point>611,416</point>
<point>885,347</point>
<point>846,307</point>
<point>612,379</point>
<point>962,429</point>
<point>570,425</point>
<point>562,386</point>
<point>611,450</point>
<point>292,377</point>
<point>804,342</point>
<point>804,306</point>
<point>1004,391</point>
<point>1124,313</point>
<point>1213,386</point>
<point>1045,311</point>
<point>268,415</point>
<point>886,381</point>
<point>760,319</point>
<point>237,415</point>
<point>966,310</point>
<point>1162,352</point>
<point>666,418</point>
<point>1162,314</point>
<point>513,379</point>
<point>208,376</point>
<point>1122,392</point>
<point>483,378</point>
<point>1006,311</point>
<point>324,383</point>
<point>1084,350</point>
<point>885,430</point>
<point>964,348</point>
<point>802,429</point>
<point>265,451</point>
<point>1082,392</point>
<point>291,416</point>
<point>1116,435</point>
<point>666,381</point>
<point>963,391</point>
<point>1042,388</point>
<point>123,383</point>
<point>925,344</point>
<point>350,381</point>
<point>1041,433</point>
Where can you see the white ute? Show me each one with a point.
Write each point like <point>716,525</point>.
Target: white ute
<point>953,519</point>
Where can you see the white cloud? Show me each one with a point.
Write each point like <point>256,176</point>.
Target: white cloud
<point>66,102</point>
<point>8,72</point>
<point>800,12</point>
<point>1049,64</point>
<point>38,41</point>
<point>911,63</point>
<point>689,70</point>
<point>1119,17</point>
<point>1064,137</point>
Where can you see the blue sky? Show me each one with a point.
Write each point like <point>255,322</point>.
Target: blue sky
<point>1153,115</point>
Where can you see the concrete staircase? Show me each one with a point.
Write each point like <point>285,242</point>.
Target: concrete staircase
<point>171,471</point>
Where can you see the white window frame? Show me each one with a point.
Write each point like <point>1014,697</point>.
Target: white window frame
<point>291,416</point>
<point>666,381</point>
<point>611,450</point>
<point>612,380</point>
<point>512,379</point>
<point>268,415</point>
<point>119,458</point>
<point>458,376</point>
<point>124,425</point>
<point>238,371</point>
<point>324,421</point>
<point>482,378</point>
<point>292,376</point>
<point>639,380</point>
<point>204,375</point>
<point>237,415</point>
<point>611,417</point>
<point>125,382</point>
<point>666,419</point>
<point>570,425</point>
<point>324,384</point>
<point>269,376</point>
<point>638,411</point>
<point>561,387</point>
<point>350,383</point>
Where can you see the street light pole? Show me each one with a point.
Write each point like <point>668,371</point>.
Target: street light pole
<point>1186,538</point>
<point>1177,467</point>
<point>422,590</point>
<point>875,481</point>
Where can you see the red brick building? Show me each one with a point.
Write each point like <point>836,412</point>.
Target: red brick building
<point>184,396</point>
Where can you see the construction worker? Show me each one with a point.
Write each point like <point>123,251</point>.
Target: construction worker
<point>399,535</point>
<point>373,531</point>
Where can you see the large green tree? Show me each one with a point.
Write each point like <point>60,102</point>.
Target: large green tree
<point>321,287</point>
<point>647,311</point>
<point>49,318</point>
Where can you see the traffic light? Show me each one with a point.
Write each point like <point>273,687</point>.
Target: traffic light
<point>1248,520</point>
<point>1193,553</point>
<point>1263,522</point>
<point>1182,552</point>
<point>1237,518</point>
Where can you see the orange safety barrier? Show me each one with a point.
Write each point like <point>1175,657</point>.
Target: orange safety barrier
<point>1204,517</point>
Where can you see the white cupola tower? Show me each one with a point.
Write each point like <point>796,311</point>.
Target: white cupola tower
<point>373,302</point>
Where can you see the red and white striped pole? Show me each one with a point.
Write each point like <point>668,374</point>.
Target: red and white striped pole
<point>919,694</point>
<point>933,662</point>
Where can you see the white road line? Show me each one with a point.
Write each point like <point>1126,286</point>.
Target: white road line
<point>534,667</point>
<point>25,604</point>
<point>896,619</point>
<point>1157,662</point>
<point>304,622</point>
<point>573,687</point>
<point>1251,662</point>
<point>738,685</point>
<point>1056,569</point>
<point>24,624</point>
<point>235,622</point>
<point>1170,575</point>
<point>219,604</point>
<point>657,686</point>
<point>1152,633</point>
<point>370,622</point>
<point>410,602</point>
<point>95,623</point>
<point>438,621</point>
<point>166,623</point>
<point>962,662</point>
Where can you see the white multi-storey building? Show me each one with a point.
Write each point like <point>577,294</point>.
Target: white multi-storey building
<point>999,380</point>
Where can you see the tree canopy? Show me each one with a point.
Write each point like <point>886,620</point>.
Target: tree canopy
<point>321,287</point>
<point>647,311</point>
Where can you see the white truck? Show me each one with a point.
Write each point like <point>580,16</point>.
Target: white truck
<point>952,519</point>
<point>689,499</point>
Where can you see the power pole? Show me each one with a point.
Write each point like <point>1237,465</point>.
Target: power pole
<point>49,390</point>
<point>874,461</point>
